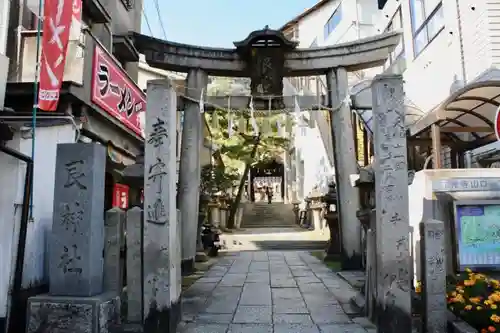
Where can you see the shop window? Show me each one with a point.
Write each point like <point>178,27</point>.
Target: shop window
<point>427,21</point>
<point>397,57</point>
<point>333,22</point>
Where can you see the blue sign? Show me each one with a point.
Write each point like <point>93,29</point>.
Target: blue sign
<point>478,235</point>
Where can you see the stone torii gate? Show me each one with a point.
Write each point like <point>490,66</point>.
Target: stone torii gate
<point>267,56</point>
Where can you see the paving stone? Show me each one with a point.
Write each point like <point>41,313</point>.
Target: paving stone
<point>350,328</point>
<point>329,315</point>
<point>364,322</point>
<point>283,283</point>
<point>295,328</point>
<point>313,288</point>
<point>281,318</point>
<point>250,328</point>
<point>233,280</point>
<point>249,291</point>
<point>210,279</point>
<point>289,306</point>
<point>307,279</point>
<point>221,306</point>
<point>286,293</point>
<point>259,267</point>
<point>258,277</point>
<point>214,318</point>
<point>204,328</point>
<point>256,294</point>
<point>253,315</point>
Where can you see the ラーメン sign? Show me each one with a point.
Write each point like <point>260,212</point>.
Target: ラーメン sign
<point>114,92</point>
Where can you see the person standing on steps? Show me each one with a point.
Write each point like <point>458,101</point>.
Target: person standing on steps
<point>269,193</point>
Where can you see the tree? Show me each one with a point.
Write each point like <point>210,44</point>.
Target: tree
<point>239,150</point>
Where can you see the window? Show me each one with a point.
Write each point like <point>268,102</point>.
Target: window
<point>333,22</point>
<point>427,22</point>
<point>398,55</point>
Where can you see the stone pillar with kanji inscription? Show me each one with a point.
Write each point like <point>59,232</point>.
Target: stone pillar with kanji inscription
<point>161,268</point>
<point>76,301</point>
<point>345,166</point>
<point>189,169</point>
<point>392,221</point>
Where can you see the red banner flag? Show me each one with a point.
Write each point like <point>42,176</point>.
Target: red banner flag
<point>57,19</point>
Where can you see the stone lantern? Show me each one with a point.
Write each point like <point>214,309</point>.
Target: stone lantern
<point>315,207</point>
<point>366,213</point>
<point>332,220</point>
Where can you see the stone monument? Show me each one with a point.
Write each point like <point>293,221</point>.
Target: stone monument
<point>162,251</point>
<point>75,302</point>
<point>433,276</point>
<point>391,217</point>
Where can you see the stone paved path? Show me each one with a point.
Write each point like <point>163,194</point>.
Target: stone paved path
<point>270,292</point>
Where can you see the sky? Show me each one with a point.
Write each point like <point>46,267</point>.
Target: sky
<point>217,23</point>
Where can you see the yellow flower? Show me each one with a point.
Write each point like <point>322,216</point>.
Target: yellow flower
<point>469,283</point>
<point>487,302</point>
<point>468,270</point>
<point>468,307</point>
<point>493,306</point>
<point>495,318</point>
<point>475,300</point>
<point>479,308</point>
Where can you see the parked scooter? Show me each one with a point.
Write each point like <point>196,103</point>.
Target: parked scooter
<point>210,239</point>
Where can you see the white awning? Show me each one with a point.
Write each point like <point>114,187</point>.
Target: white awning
<point>467,116</point>
<point>361,99</point>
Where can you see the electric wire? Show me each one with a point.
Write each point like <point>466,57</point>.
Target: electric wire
<point>157,6</point>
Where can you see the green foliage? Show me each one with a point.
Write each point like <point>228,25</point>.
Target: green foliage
<point>218,179</point>
<point>236,149</point>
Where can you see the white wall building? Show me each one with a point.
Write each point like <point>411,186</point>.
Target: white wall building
<point>329,22</point>
<point>446,46</point>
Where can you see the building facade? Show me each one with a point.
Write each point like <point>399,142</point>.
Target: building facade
<point>329,22</point>
<point>100,102</point>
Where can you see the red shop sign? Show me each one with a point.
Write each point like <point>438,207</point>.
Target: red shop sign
<point>120,196</point>
<point>114,92</point>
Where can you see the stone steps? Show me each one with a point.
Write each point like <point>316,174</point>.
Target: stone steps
<point>277,238</point>
<point>264,215</point>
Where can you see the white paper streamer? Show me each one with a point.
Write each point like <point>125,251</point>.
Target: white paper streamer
<point>229,118</point>
<point>202,103</point>
<point>280,128</point>
<point>255,128</point>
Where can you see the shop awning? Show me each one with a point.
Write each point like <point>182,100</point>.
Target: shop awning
<point>361,100</point>
<point>466,117</point>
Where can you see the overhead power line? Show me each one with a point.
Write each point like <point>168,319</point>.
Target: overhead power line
<point>160,19</point>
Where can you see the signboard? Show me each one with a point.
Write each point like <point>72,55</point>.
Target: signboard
<point>466,185</point>
<point>497,124</point>
<point>58,15</point>
<point>120,196</point>
<point>478,235</point>
<point>114,92</point>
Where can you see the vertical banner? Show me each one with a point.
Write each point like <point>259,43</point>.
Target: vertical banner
<point>58,15</point>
